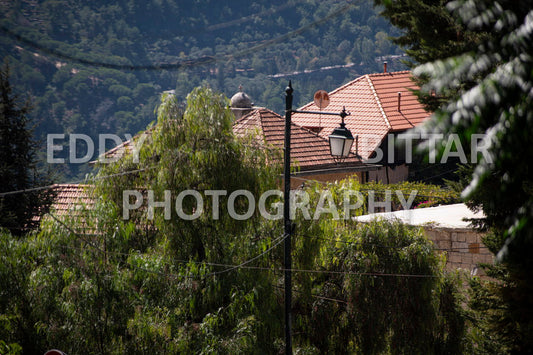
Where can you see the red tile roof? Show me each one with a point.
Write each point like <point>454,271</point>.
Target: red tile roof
<point>70,198</point>
<point>69,205</point>
<point>387,86</point>
<point>122,149</point>
<point>308,150</point>
<point>372,101</point>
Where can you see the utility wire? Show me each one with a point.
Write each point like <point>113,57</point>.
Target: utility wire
<point>314,295</point>
<point>75,233</point>
<point>241,20</point>
<point>180,64</point>
<point>276,243</point>
<point>2,194</point>
<point>231,267</point>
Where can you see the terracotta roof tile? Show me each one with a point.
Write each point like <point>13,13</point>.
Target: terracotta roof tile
<point>70,198</point>
<point>308,149</point>
<point>70,201</point>
<point>372,101</point>
<point>387,86</point>
<point>122,149</point>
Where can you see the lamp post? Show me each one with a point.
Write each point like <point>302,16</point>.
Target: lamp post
<point>287,220</point>
<point>340,142</point>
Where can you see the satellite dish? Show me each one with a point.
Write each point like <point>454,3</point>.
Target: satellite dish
<point>321,99</point>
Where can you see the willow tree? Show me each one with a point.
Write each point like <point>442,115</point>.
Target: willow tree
<point>192,160</point>
<point>369,288</point>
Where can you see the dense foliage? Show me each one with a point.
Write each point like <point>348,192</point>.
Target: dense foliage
<point>96,282</point>
<point>429,32</point>
<point>18,163</point>
<point>407,195</point>
<point>95,67</point>
<point>484,82</point>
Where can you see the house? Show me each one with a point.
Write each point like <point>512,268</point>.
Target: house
<point>381,106</point>
<point>310,153</point>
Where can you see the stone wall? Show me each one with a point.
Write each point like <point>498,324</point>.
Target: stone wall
<point>462,246</point>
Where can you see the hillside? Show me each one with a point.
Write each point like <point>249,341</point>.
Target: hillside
<point>94,67</point>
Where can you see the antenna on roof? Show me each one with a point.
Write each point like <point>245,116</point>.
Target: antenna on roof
<point>399,101</point>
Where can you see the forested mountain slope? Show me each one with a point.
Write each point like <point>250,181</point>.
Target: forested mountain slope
<point>98,67</point>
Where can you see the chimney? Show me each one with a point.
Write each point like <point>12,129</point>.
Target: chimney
<point>399,101</point>
<point>385,66</point>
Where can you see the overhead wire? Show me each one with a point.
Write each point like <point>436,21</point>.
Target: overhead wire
<point>314,295</point>
<point>275,244</point>
<point>244,265</point>
<point>94,178</point>
<point>241,20</point>
<point>229,267</point>
<point>180,64</point>
<point>45,187</point>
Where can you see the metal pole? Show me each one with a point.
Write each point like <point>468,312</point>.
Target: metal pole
<point>287,220</point>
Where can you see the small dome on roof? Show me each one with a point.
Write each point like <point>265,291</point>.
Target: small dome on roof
<point>241,100</point>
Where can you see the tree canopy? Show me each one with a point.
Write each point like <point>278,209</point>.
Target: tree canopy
<point>18,163</point>
<point>97,67</point>
<point>488,89</point>
<point>95,281</point>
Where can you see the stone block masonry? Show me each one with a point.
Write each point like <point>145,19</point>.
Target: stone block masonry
<point>463,248</point>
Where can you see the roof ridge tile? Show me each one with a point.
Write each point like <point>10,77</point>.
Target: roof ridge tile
<point>378,101</point>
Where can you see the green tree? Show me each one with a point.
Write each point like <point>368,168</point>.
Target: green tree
<point>429,32</point>
<point>376,288</point>
<point>96,281</point>
<point>195,150</point>
<point>494,83</point>
<point>18,164</point>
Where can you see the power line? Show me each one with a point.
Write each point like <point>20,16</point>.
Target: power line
<point>279,241</point>
<point>314,295</point>
<point>439,175</point>
<point>75,233</point>
<point>228,269</point>
<point>46,187</point>
<point>95,178</point>
<point>241,20</point>
<point>180,64</point>
<point>232,267</point>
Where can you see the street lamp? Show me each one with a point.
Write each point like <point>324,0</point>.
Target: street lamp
<point>341,139</point>
<point>340,142</point>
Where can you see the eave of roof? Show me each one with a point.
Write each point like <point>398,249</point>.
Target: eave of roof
<point>309,150</point>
